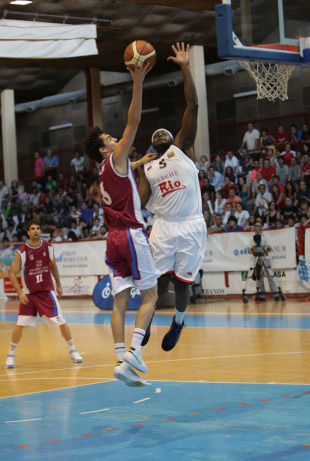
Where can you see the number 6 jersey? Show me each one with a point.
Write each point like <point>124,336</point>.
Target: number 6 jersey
<point>35,267</point>
<point>120,198</point>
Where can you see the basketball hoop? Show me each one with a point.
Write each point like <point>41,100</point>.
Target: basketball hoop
<point>271,78</point>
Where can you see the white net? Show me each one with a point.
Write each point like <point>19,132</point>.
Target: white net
<point>271,79</point>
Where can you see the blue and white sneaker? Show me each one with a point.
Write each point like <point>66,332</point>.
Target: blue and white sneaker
<point>75,356</point>
<point>10,361</point>
<point>172,337</point>
<point>134,358</point>
<point>125,373</point>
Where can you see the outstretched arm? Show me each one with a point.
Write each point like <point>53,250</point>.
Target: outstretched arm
<point>186,136</point>
<point>142,161</point>
<point>120,156</point>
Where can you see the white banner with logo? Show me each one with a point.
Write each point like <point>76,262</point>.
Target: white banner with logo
<point>216,284</point>
<point>81,258</point>
<point>229,251</point>
<point>307,244</point>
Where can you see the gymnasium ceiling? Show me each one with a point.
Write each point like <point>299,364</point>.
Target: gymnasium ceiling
<point>161,22</point>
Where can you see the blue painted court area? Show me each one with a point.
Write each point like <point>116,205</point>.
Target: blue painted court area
<point>211,321</point>
<point>165,420</point>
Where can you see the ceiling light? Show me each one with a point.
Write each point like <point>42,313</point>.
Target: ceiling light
<point>21,2</point>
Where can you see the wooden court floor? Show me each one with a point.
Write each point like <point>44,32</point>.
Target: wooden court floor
<point>224,341</point>
<point>236,387</point>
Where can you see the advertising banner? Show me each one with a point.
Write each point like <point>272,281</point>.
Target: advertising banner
<point>229,251</point>
<point>7,255</point>
<point>81,258</point>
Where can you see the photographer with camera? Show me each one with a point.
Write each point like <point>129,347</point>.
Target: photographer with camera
<point>259,247</point>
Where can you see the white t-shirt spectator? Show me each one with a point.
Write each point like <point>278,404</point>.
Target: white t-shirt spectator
<point>233,162</point>
<point>78,164</point>
<point>250,138</point>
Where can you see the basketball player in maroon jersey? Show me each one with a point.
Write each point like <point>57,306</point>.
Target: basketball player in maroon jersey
<point>128,253</point>
<point>36,262</point>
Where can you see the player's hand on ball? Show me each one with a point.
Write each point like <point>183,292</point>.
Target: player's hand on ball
<point>139,73</point>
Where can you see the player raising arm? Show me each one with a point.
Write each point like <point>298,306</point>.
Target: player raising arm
<point>170,189</point>
<point>128,253</point>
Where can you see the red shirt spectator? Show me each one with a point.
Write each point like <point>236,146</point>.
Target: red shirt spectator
<point>305,167</point>
<point>282,137</point>
<point>288,153</point>
<point>267,170</point>
<point>227,186</point>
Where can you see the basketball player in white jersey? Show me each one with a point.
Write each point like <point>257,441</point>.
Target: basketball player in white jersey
<point>170,189</point>
<point>128,253</point>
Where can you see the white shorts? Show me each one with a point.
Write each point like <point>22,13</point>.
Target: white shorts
<point>133,266</point>
<point>179,247</point>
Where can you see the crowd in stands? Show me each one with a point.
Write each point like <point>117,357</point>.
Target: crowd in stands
<point>267,181</point>
<point>62,205</point>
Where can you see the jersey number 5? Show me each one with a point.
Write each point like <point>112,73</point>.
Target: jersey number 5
<point>162,164</point>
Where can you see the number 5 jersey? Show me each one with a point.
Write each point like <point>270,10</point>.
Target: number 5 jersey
<point>175,187</point>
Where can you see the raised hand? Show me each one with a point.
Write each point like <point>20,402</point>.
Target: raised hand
<point>181,54</point>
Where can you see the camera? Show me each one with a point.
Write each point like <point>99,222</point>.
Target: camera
<point>258,249</point>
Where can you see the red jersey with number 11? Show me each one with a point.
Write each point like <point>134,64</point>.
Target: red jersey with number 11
<point>35,267</point>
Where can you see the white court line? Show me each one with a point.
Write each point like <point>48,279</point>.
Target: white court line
<point>62,378</point>
<point>60,369</point>
<point>161,361</point>
<point>159,381</point>
<point>23,420</point>
<point>95,411</point>
<point>143,400</point>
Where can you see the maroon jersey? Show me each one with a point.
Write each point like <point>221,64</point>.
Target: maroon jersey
<point>35,267</point>
<point>120,197</point>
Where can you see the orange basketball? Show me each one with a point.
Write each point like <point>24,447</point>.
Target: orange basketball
<point>139,52</point>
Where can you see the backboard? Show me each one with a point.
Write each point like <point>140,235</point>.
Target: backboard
<point>262,30</point>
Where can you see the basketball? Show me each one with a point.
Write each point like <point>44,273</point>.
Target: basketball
<point>139,52</point>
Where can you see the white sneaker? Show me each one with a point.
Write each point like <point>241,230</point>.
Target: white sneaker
<point>10,361</point>
<point>134,358</point>
<point>125,373</point>
<point>75,356</point>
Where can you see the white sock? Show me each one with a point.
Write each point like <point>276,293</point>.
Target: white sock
<point>71,344</point>
<point>119,351</point>
<point>137,338</point>
<point>13,346</point>
<point>179,317</point>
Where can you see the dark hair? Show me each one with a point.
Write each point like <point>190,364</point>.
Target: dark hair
<point>92,144</point>
<point>72,235</point>
<point>33,221</point>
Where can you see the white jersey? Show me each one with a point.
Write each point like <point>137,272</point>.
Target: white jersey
<point>174,184</point>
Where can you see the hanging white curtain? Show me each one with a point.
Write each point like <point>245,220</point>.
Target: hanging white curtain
<point>41,40</point>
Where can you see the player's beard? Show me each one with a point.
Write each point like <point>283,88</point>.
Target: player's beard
<point>162,147</point>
